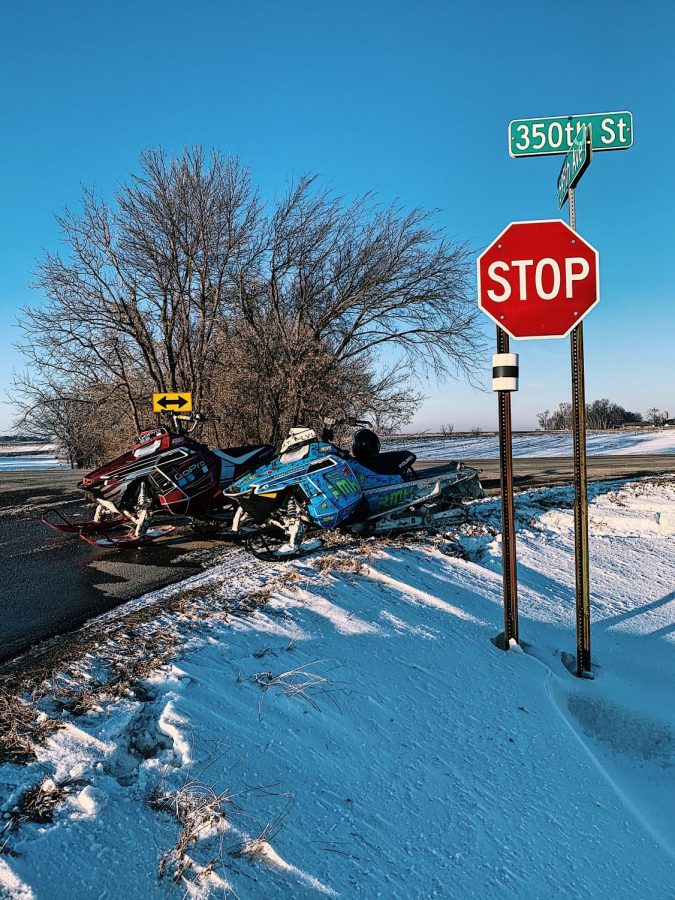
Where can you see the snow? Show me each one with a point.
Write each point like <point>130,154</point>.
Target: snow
<point>619,442</point>
<point>15,457</point>
<point>364,737</point>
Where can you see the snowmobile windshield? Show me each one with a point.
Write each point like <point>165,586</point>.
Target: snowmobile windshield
<point>149,442</point>
<point>147,449</point>
<point>295,453</point>
<point>296,445</point>
<point>147,437</point>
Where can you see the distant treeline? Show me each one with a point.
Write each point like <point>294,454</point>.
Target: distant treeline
<point>600,415</point>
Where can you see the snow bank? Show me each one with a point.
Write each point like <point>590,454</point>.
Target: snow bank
<point>15,457</point>
<point>359,734</point>
<point>599,443</point>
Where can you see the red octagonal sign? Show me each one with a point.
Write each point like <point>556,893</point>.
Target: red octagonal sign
<point>538,279</point>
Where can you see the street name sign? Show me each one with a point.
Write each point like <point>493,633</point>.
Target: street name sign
<point>168,401</point>
<point>576,162</point>
<point>538,279</point>
<point>546,136</point>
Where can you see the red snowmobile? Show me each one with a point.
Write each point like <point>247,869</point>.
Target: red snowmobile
<point>166,472</point>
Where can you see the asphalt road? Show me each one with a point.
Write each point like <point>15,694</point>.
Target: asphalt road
<point>51,583</point>
<point>542,471</point>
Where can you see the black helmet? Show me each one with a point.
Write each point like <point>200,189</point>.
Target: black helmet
<point>365,445</point>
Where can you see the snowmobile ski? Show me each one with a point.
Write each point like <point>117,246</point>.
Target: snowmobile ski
<point>130,538</point>
<point>272,545</point>
<point>88,526</point>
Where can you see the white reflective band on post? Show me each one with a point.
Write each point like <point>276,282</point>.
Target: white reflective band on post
<point>505,372</point>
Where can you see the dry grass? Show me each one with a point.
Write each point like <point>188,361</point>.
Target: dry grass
<point>201,812</point>
<point>299,682</point>
<point>351,565</point>
<point>259,847</point>
<point>36,804</point>
<point>22,726</point>
<point>105,661</point>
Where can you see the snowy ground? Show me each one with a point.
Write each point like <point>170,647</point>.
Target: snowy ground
<point>345,727</point>
<point>620,443</point>
<point>15,457</point>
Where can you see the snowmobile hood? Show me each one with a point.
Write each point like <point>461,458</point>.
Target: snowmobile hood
<point>281,472</point>
<point>109,469</point>
<point>141,452</point>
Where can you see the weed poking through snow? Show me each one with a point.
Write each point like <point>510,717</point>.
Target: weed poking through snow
<point>299,682</point>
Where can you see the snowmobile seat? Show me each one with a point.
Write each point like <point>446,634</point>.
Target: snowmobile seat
<point>394,462</point>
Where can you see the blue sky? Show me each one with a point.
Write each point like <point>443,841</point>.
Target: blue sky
<point>410,99</point>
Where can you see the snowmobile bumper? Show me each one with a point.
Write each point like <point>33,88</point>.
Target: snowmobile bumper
<point>258,506</point>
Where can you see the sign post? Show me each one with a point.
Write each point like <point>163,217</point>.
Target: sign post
<point>582,578</point>
<point>577,137</point>
<point>504,380</point>
<point>539,280</point>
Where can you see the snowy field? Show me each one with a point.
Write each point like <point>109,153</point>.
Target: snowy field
<point>16,457</point>
<point>344,726</point>
<point>599,443</point>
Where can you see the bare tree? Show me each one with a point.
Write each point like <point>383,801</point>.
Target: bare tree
<point>146,284</point>
<point>269,317</point>
<point>340,288</point>
<point>600,415</point>
<point>561,418</point>
<point>655,416</point>
<point>544,419</point>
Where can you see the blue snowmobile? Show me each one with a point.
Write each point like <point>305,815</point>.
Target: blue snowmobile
<point>313,484</point>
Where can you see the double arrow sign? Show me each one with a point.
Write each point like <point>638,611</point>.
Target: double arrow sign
<point>164,402</point>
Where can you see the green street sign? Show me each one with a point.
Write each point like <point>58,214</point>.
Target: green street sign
<point>576,162</point>
<point>544,137</point>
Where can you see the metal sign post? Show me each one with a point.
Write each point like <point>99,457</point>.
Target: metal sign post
<point>504,380</point>
<point>583,603</point>
<point>505,272</point>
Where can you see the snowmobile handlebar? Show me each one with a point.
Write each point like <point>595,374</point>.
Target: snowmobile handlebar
<point>330,424</point>
<point>195,418</point>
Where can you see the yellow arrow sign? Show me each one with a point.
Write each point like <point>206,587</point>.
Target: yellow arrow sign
<point>172,403</point>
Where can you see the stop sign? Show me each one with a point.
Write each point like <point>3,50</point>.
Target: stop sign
<point>538,279</point>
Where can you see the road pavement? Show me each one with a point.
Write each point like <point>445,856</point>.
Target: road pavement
<point>551,471</point>
<point>52,582</point>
